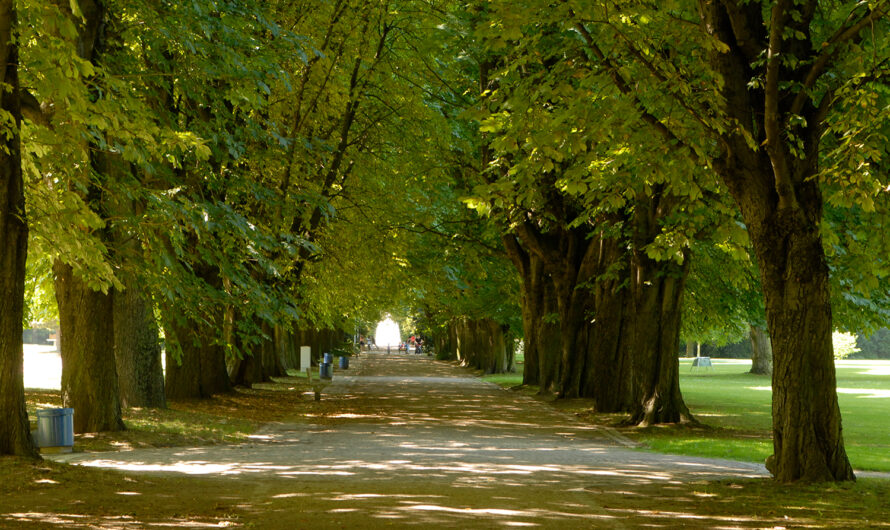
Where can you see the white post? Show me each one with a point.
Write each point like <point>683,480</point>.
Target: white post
<point>305,357</point>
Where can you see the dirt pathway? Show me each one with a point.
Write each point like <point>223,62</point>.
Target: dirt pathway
<point>418,442</point>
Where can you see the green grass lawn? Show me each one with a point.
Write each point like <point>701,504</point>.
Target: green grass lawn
<point>735,407</point>
<point>737,404</point>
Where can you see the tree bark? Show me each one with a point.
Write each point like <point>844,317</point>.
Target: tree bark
<point>761,351</point>
<point>286,348</point>
<point>15,431</point>
<point>200,371</point>
<point>259,362</point>
<point>566,257</point>
<point>89,375</point>
<point>608,380</point>
<point>657,289</point>
<point>572,272</point>
<point>445,341</point>
<point>482,344</point>
<point>588,287</point>
<point>137,350</point>
<point>656,300</point>
<point>538,300</point>
<point>807,434</point>
<point>320,341</point>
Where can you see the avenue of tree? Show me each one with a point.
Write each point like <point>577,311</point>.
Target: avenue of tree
<point>600,180</point>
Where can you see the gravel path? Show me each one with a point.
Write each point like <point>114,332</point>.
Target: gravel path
<point>418,442</point>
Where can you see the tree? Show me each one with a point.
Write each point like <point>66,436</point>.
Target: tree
<point>89,379</point>
<point>761,351</point>
<point>587,195</point>
<point>137,350</point>
<point>769,165</point>
<point>15,431</point>
<point>784,74</point>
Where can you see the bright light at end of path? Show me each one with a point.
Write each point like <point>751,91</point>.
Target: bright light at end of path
<point>387,333</point>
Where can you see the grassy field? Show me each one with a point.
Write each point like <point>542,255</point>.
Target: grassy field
<point>735,407</point>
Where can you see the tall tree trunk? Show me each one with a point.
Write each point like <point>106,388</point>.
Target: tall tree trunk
<point>258,362</point>
<point>608,378</point>
<point>589,300</point>
<point>548,337</point>
<point>567,256</point>
<point>784,225</point>
<point>89,375</point>
<point>761,351</point>
<point>571,303</point>
<point>137,350</point>
<point>482,344</point>
<point>15,431</point>
<point>657,296</point>
<point>572,273</point>
<point>200,371</point>
<point>86,317</point>
<point>807,434</point>
<point>286,348</point>
<point>538,300</point>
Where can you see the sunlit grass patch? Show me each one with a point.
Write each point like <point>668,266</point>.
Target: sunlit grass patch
<point>728,397</point>
<point>504,380</point>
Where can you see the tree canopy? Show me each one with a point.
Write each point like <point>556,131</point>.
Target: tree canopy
<point>599,178</point>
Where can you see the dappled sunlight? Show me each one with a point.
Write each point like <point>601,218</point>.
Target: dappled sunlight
<point>454,465</point>
<point>881,370</point>
<point>457,429</point>
<point>858,392</point>
<point>865,392</point>
<point>554,506</point>
<point>70,520</point>
<point>674,518</point>
<point>444,450</point>
<point>871,366</point>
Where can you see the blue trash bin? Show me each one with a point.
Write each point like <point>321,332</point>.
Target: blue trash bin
<point>325,371</point>
<point>329,358</point>
<point>344,362</point>
<point>55,428</point>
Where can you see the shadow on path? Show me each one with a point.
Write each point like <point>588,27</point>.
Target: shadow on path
<point>415,441</point>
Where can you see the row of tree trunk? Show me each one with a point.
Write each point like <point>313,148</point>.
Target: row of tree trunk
<point>482,343</point>
<point>111,354</point>
<point>601,317</point>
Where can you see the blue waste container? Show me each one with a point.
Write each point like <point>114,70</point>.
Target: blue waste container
<point>325,371</point>
<point>329,358</point>
<point>55,428</point>
<point>344,362</point>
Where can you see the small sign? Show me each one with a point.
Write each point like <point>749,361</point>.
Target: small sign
<point>305,357</point>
